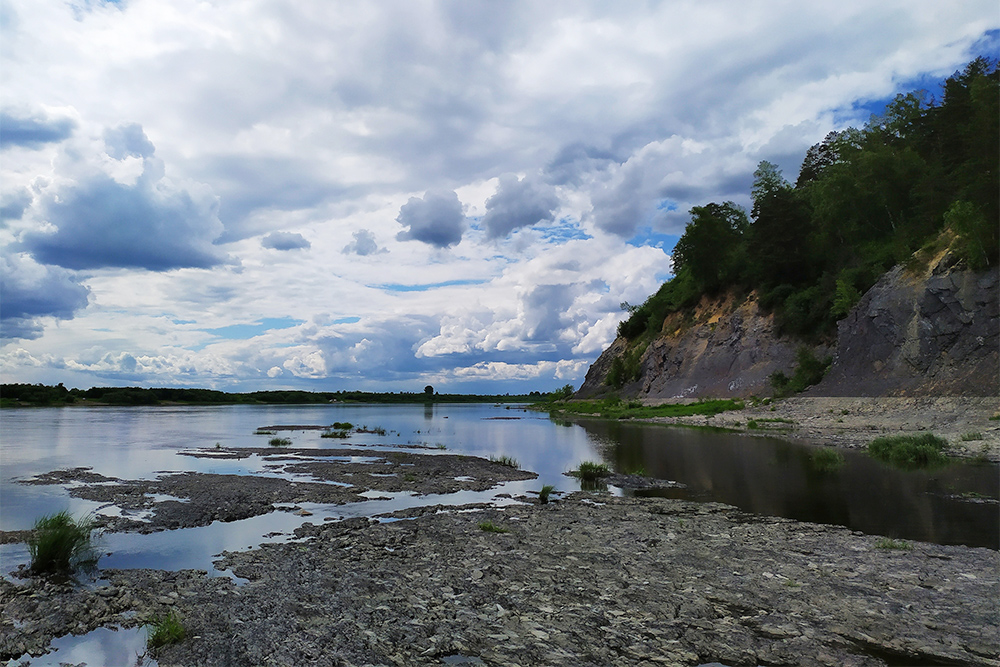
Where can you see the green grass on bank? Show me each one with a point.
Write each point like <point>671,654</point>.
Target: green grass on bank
<point>615,408</point>
<point>910,451</point>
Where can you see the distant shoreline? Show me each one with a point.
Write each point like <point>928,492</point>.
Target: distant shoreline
<point>38,395</point>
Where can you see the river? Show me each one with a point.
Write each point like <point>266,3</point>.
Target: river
<point>760,475</point>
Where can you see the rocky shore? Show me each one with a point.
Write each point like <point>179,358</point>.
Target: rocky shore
<point>588,580</point>
<point>969,424</point>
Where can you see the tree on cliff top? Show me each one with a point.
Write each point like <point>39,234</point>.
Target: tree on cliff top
<point>864,201</point>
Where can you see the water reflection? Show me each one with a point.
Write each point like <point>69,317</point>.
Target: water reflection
<point>779,478</point>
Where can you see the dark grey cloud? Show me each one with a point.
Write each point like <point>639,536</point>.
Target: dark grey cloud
<point>127,141</point>
<point>437,219</point>
<point>102,223</point>
<point>33,131</point>
<point>575,161</point>
<point>12,206</point>
<point>364,243</point>
<point>518,203</point>
<point>622,207</point>
<point>247,185</point>
<point>285,241</point>
<point>29,291</point>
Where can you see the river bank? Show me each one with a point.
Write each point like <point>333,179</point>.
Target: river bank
<point>969,424</point>
<point>588,580</point>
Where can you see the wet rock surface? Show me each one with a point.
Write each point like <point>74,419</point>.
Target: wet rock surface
<point>198,499</point>
<point>588,580</point>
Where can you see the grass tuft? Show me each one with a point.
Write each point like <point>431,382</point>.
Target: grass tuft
<point>910,451</point>
<point>330,433</point>
<point>826,459</point>
<point>508,461</point>
<point>490,527</point>
<point>60,544</point>
<point>543,495</point>
<point>165,630</point>
<point>279,442</point>
<point>591,472</point>
<point>972,435</point>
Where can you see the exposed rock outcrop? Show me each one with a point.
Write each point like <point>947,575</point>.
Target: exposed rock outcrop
<point>932,333</point>
<point>927,332</point>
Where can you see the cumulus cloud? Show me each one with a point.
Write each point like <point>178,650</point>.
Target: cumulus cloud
<point>33,132</point>
<point>127,141</point>
<point>364,243</point>
<point>12,206</point>
<point>30,291</point>
<point>94,221</point>
<point>436,219</point>
<point>285,241</point>
<point>518,203</point>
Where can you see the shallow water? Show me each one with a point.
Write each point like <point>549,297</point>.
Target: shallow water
<point>760,475</point>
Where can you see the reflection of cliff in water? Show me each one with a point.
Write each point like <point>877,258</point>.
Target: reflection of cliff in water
<point>779,478</point>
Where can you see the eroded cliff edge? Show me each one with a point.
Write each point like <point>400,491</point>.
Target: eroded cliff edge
<point>927,328</point>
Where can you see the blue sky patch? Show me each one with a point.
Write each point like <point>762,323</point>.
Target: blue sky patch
<point>647,236</point>
<point>567,229</point>
<point>396,287</point>
<point>346,320</point>
<point>246,331</point>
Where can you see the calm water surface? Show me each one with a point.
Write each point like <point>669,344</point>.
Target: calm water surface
<point>760,475</point>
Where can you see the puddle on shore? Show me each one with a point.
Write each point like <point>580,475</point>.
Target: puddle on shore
<point>103,646</point>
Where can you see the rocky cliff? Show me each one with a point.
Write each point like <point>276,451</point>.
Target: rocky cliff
<point>929,332</point>
<point>928,328</point>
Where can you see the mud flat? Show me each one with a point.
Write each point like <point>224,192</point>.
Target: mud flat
<point>587,580</point>
<point>967,423</point>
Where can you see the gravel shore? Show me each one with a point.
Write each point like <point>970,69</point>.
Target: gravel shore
<point>967,423</point>
<point>589,580</point>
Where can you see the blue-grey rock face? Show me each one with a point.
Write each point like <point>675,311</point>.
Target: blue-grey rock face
<point>932,333</point>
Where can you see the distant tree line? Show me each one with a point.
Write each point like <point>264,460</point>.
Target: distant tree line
<point>920,176</point>
<point>39,394</point>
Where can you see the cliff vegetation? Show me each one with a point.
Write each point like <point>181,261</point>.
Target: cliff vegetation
<point>914,185</point>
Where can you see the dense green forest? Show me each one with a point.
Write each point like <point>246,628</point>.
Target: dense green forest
<point>39,394</point>
<point>920,176</point>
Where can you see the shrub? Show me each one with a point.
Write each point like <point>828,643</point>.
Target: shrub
<point>752,424</point>
<point>490,527</point>
<point>508,461</point>
<point>591,471</point>
<point>279,442</point>
<point>342,426</point>
<point>809,370</point>
<point>543,495</point>
<point>910,451</point>
<point>59,544</point>
<point>165,630</point>
<point>335,434</point>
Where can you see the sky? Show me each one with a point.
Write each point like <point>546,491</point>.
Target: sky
<point>378,196</point>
